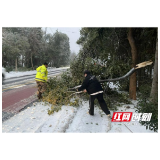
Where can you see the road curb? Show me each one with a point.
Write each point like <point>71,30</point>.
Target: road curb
<point>7,115</point>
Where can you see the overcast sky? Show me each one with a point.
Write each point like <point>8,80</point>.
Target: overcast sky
<point>72,32</point>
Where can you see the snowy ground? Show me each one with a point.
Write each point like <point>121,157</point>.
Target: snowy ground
<point>17,74</point>
<point>35,119</point>
<point>69,119</point>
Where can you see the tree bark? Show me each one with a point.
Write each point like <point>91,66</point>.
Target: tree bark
<point>16,64</point>
<point>133,81</point>
<point>154,89</point>
<point>31,61</point>
<point>2,59</point>
<point>22,60</point>
<point>139,73</point>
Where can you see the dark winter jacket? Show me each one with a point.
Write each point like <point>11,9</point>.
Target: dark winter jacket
<point>91,84</point>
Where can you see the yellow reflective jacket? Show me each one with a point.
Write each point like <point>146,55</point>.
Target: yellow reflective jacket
<point>41,74</point>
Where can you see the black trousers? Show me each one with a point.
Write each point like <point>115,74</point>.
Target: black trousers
<point>101,102</point>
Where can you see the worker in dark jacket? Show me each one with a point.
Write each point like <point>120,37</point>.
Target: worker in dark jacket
<point>93,87</point>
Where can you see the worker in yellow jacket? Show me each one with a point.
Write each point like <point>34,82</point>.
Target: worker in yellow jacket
<point>41,79</point>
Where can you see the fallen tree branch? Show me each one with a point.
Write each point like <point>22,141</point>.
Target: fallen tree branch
<point>120,78</point>
<point>140,65</point>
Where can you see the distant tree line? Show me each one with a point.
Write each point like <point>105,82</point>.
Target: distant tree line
<point>31,47</point>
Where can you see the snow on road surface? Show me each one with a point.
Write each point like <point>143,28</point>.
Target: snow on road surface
<point>17,74</point>
<point>35,119</point>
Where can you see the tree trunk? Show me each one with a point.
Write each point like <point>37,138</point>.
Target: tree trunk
<point>16,64</point>
<point>2,58</point>
<point>139,72</point>
<point>154,89</point>
<point>31,61</point>
<point>22,60</point>
<point>133,81</point>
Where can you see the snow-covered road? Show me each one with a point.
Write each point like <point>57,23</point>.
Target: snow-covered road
<point>29,73</point>
<point>20,79</point>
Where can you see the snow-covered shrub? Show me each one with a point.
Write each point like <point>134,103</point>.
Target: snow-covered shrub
<point>145,105</point>
<point>9,68</point>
